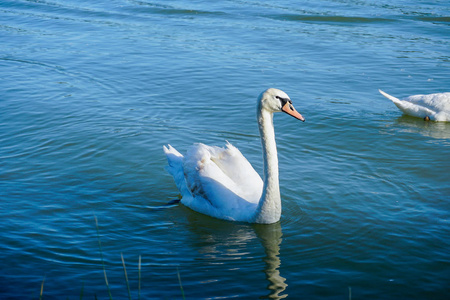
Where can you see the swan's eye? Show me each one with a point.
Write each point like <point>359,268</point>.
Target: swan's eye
<point>283,100</point>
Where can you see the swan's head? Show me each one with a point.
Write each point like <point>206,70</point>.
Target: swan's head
<point>275,100</point>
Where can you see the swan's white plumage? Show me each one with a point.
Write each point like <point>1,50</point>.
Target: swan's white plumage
<point>221,183</point>
<point>216,181</point>
<point>435,106</point>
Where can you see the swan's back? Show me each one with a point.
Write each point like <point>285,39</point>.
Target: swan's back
<point>435,106</point>
<point>439,102</point>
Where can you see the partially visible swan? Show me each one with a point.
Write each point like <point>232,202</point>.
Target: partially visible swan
<point>435,107</point>
<point>221,183</point>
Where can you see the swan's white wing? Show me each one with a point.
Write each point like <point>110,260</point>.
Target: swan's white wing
<point>215,181</point>
<point>225,166</point>
<point>222,182</point>
<point>234,165</point>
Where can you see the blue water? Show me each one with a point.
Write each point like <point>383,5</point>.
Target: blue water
<point>91,90</point>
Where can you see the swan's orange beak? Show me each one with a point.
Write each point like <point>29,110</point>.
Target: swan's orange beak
<point>290,110</point>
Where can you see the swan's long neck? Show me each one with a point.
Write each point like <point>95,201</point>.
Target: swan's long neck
<point>269,207</point>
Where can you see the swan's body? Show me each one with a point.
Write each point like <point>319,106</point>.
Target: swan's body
<point>435,107</point>
<point>221,183</point>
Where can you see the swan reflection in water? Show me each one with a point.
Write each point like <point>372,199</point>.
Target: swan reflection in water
<point>235,245</point>
<point>436,130</point>
<point>270,237</point>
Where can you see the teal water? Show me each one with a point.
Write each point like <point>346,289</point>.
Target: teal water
<point>91,90</point>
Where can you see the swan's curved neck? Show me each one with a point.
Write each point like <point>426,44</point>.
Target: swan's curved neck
<point>269,207</point>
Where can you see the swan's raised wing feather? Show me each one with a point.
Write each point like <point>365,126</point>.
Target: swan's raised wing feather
<point>231,161</point>
<point>221,174</point>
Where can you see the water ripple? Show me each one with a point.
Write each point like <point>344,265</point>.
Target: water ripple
<point>92,90</point>
<point>331,19</point>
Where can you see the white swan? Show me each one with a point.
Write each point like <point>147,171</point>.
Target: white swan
<point>435,107</point>
<point>221,183</point>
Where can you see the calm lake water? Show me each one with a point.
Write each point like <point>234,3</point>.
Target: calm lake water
<point>91,90</point>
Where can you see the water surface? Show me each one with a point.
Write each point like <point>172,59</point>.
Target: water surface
<point>91,90</point>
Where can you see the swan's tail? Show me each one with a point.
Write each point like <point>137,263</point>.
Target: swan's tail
<point>392,98</point>
<point>175,168</point>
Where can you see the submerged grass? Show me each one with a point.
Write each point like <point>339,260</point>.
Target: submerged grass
<point>101,254</point>
<point>126,276</point>
<point>42,289</point>
<point>106,278</point>
<point>139,278</point>
<point>181,286</point>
